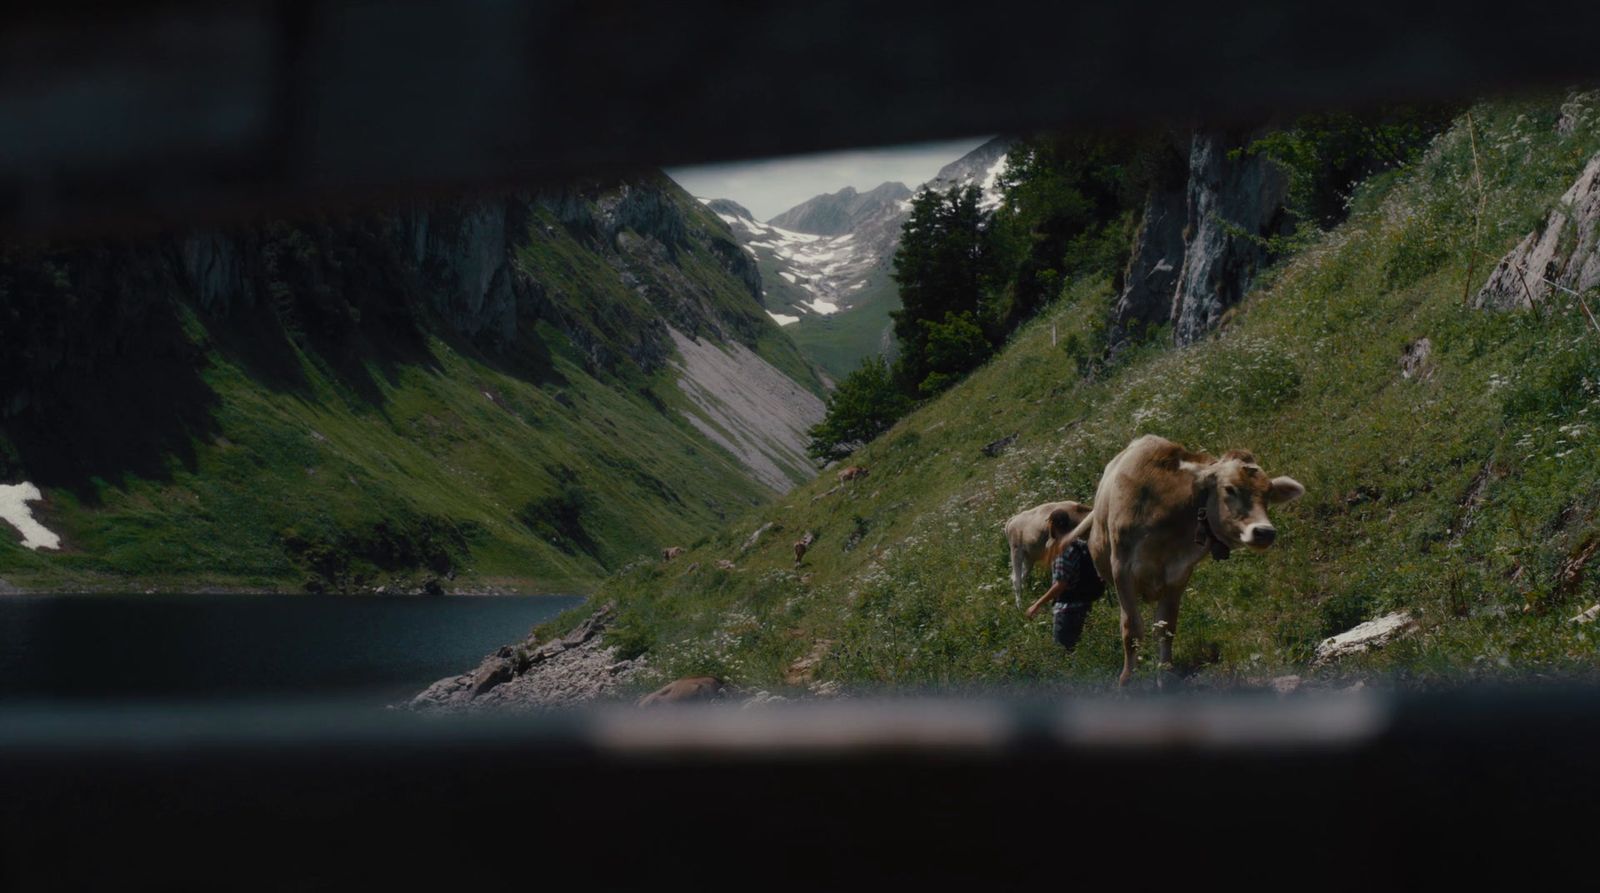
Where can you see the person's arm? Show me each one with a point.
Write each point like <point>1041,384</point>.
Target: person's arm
<point>1049,596</point>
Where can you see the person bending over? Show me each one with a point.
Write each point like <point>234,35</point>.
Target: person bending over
<point>1074,584</point>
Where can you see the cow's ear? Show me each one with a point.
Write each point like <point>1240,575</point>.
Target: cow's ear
<point>1285,489</point>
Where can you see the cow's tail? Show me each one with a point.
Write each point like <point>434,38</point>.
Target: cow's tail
<point>1079,532</point>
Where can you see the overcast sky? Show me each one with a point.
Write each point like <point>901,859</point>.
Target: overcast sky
<point>770,187</point>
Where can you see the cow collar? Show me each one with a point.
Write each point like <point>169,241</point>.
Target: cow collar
<point>1206,535</point>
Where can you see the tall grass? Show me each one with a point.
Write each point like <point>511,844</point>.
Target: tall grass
<point>1464,496</point>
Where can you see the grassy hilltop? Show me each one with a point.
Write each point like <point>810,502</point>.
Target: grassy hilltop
<point>1468,496</point>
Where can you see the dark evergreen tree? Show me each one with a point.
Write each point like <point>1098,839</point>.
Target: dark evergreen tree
<point>940,267</point>
<point>1068,212</point>
<point>865,404</point>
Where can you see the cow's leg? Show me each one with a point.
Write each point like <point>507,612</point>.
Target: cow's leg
<point>1132,628</point>
<point>1166,628</point>
<point>1019,572</point>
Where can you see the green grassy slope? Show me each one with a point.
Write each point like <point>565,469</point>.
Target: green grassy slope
<point>1469,497</point>
<point>390,458</point>
<point>838,343</point>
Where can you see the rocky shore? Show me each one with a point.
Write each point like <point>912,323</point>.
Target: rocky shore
<point>576,668</point>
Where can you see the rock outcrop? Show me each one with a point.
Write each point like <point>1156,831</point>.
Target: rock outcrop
<point>1416,360</point>
<point>1565,252</point>
<point>1201,244</point>
<point>684,691</point>
<point>215,270</point>
<point>1233,203</point>
<point>1152,276</point>
<point>573,669</point>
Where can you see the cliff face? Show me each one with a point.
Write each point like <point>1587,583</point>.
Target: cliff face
<point>133,365</point>
<point>1200,247</point>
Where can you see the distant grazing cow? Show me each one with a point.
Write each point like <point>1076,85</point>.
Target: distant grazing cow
<point>691,688</point>
<point>1028,533</point>
<point>801,545</point>
<point>671,552</point>
<point>851,473</point>
<point>1159,511</point>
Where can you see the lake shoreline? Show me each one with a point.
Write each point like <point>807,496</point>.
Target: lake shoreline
<point>220,647</point>
<point>126,587</point>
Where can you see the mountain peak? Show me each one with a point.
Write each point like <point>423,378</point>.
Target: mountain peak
<point>981,168</point>
<point>841,212</point>
<point>729,207</point>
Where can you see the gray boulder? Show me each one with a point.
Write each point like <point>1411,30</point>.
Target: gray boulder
<point>1366,637</point>
<point>1416,361</point>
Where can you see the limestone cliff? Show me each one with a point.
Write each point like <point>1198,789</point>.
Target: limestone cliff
<point>1202,239</point>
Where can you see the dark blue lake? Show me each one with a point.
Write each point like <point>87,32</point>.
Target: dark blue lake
<point>238,647</point>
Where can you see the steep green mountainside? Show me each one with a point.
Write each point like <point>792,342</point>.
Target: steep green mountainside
<point>499,392</point>
<point>1464,488</point>
<point>838,343</point>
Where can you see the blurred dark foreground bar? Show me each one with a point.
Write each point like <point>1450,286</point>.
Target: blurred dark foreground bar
<point>1160,791</point>
<point>162,113</point>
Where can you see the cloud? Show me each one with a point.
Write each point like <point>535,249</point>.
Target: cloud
<point>768,187</point>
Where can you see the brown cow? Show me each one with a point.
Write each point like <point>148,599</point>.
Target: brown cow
<point>1159,511</point>
<point>1028,533</point>
<point>691,688</point>
<point>671,552</point>
<point>801,545</point>
<point>851,473</point>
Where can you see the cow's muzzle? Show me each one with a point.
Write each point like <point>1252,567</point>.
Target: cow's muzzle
<point>1260,535</point>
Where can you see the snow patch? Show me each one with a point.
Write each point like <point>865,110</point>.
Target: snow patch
<point>14,499</point>
<point>782,319</point>
<point>823,307</point>
<point>788,277</point>
<point>991,185</point>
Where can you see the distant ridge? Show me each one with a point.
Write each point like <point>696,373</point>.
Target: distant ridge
<point>843,211</point>
<point>728,206</point>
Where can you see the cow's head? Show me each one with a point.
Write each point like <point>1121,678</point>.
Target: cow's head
<point>1236,493</point>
